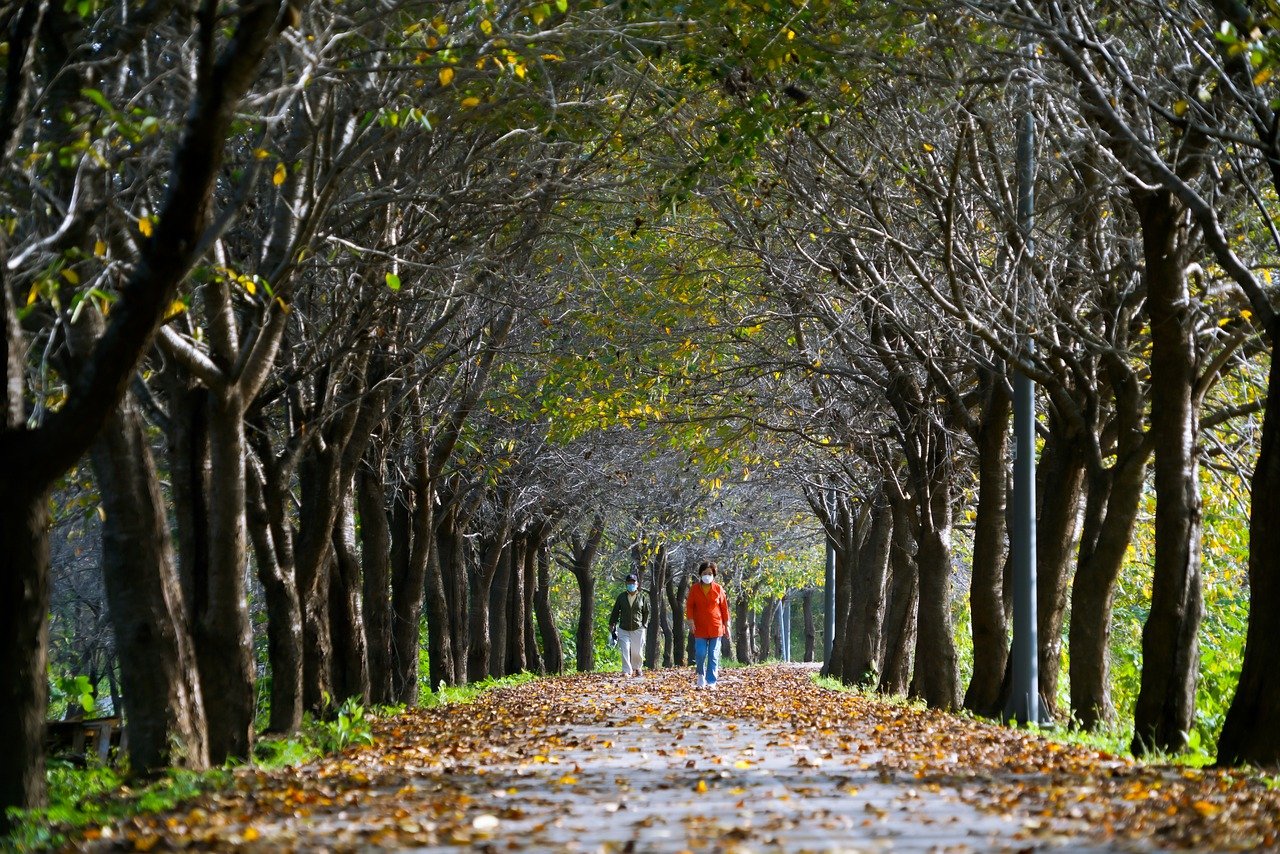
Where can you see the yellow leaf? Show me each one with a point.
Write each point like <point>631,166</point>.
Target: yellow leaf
<point>144,226</point>
<point>261,153</point>
<point>250,834</point>
<point>279,175</point>
<point>486,26</point>
<point>551,57</point>
<point>99,248</point>
<point>34,294</point>
<point>468,103</point>
<point>1180,108</point>
<point>567,780</point>
<point>701,788</point>
<point>71,276</point>
<point>1245,314</point>
<point>446,76</point>
<point>248,285</point>
<point>1263,76</point>
<point>926,146</point>
<point>742,764</point>
<point>1206,809</point>
<point>175,308</point>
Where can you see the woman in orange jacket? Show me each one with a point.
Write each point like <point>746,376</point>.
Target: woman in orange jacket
<point>707,610</point>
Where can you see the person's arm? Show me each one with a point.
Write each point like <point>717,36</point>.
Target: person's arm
<point>615,614</point>
<point>724,611</point>
<point>688,607</point>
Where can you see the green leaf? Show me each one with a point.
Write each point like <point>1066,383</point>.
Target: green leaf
<point>562,5</point>
<point>393,281</point>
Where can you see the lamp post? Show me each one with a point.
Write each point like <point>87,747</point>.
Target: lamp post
<point>1024,702</point>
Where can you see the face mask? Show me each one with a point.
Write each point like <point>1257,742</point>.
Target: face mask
<point>631,588</point>
<point>706,579</point>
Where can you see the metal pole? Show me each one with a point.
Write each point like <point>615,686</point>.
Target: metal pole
<point>1024,703</point>
<point>785,604</point>
<point>829,598</point>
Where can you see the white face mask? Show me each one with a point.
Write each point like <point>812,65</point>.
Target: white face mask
<point>706,579</point>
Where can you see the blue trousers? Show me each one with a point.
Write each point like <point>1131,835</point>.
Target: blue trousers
<point>706,652</point>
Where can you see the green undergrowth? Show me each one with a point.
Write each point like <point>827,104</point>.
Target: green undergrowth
<point>102,793</point>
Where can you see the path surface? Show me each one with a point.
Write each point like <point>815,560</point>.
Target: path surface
<point>767,761</point>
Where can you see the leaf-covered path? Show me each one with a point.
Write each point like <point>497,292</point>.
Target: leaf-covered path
<point>767,761</point>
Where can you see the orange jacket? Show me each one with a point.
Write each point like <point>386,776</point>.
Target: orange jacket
<point>708,607</point>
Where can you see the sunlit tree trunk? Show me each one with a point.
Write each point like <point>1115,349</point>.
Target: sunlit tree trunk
<point>1165,709</point>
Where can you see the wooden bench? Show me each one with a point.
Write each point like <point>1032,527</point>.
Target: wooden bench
<point>76,739</point>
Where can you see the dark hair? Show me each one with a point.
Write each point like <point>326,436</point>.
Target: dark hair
<point>707,566</point>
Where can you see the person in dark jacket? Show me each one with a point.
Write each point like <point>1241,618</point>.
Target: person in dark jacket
<point>627,621</point>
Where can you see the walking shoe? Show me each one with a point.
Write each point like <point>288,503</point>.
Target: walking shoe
<point>702,682</point>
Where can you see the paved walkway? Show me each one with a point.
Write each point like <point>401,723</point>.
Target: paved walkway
<point>767,761</point>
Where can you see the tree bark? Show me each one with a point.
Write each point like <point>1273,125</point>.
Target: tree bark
<point>1112,499</point>
<point>584,555</point>
<point>742,624</point>
<point>1060,476</point>
<point>987,603</point>
<point>488,613</point>
<point>24,609</point>
<point>375,556</point>
<point>867,610</point>
<point>533,548</point>
<point>552,646</point>
<point>350,656</point>
<point>1165,710</point>
<point>900,614</point>
<point>846,548</point>
<point>1251,732</point>
<point>516,657</point>
<point>273,551</point>
<point>223,637</point>
<point>165,711</point>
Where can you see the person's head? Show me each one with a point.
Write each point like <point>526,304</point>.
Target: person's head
<point>707,571</point>
<point>633,583</point>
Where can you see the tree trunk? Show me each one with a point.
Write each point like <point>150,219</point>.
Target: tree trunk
<point>415,574</point>
<point>584,645</point>
<point>487,655</point>
<point>1060,476</point>
<point>990,620</point>
<point>846,551</point>
<point>552,646</point>
<point>584,555</point>
<point>223,637</point>
<point>351,658</point>
<point>1251,733</point>
<point>533,660</point>
<point>457,576</point>
<point>273,551</point>
<point>741,622</point>
<point>318,487</point>
<point>1165,709</point>
<point>867,609</point>
<point>1111,508</point>
<point>676,594</point>
<point>516,658</point>
<point>375,553</point>
<point>900,613</point>
<point>165,712</point>
<point>766,628</point>
<point>24,641</point>
<point>810,633</point>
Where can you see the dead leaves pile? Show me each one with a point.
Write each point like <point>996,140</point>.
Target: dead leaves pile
<point>1003,770</point>
<point>443,776</point>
